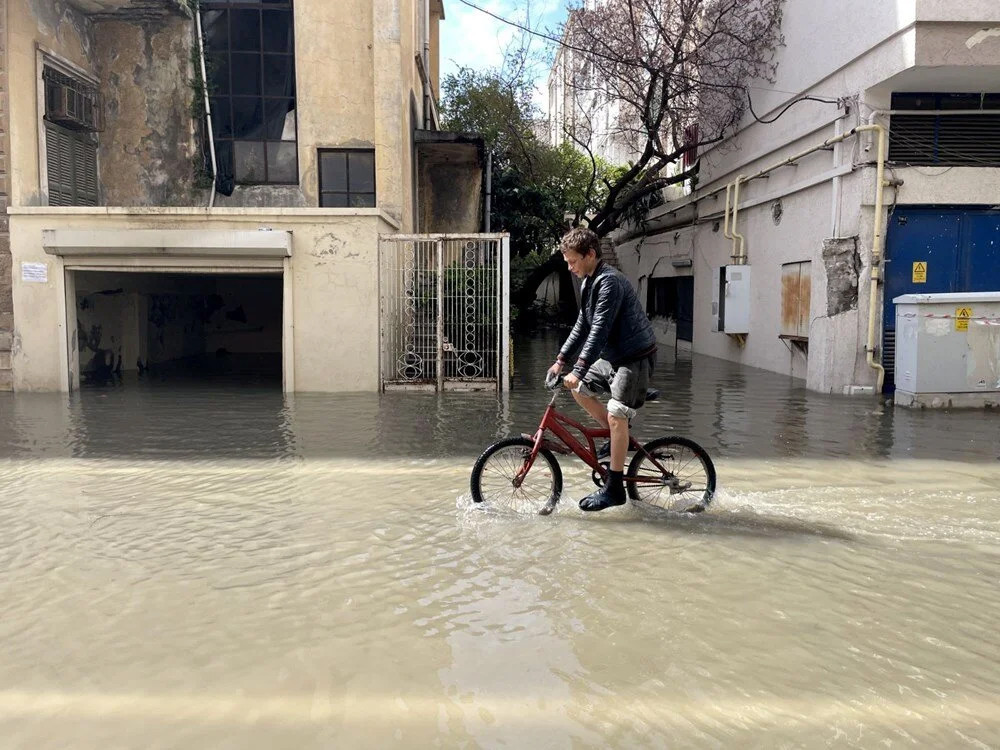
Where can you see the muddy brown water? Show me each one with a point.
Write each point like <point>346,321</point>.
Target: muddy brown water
<point>188,565</point>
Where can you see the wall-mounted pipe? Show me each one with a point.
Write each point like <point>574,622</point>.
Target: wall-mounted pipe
<point>208,105</point>
<point>739,255</point>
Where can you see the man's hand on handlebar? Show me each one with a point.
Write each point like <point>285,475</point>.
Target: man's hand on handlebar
<point>571,381</point>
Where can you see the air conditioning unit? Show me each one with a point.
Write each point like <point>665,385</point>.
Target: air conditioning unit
<point>72,104</point>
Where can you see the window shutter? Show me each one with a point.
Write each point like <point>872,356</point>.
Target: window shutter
<point>71,159</point>
<point>59,160</point>
<point>85,171</point>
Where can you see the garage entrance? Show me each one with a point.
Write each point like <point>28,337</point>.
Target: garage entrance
<point>163,327</point>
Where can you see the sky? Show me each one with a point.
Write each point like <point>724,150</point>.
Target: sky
<point>473,39</point>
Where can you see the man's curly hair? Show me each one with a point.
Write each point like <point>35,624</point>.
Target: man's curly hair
<point>580,240</point>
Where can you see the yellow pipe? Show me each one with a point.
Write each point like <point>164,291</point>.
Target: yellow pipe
<point>739,256</point>
<point>725,221</point>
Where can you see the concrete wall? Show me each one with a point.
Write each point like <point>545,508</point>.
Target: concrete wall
<point>860,52</point>
<point>147,148</point>
<point>333,274</point>
<point>59,28</point>
<point>6,300</point>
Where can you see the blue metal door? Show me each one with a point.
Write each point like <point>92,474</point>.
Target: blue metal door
<point>930,250</point>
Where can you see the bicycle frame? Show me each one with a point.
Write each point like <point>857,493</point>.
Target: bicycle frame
<point>557,423</point>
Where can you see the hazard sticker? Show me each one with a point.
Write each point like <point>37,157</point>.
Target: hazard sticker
<point>920,272</point>
<point>962,315</point>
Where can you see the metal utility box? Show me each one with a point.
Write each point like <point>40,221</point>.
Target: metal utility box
<point>731,299</point>
<point>948,349</point>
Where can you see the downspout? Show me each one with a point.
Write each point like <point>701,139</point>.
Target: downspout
<point>208,105</point>
<point>877,240</point>
<point>739,255</point>
<point>426,58</point>
<point>489,192</point>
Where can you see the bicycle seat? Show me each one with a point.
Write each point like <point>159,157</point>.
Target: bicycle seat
<point>652,394</point>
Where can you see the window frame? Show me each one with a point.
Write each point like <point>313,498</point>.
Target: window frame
<point>82,145</point>
<point>263,98</point>
<point>347,176</point>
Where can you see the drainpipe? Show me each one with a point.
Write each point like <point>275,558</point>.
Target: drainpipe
<point>208,105</point>
<point>427,64</point>
<point>877,240</point>
<point>739,254</point>
<point>877,234</point>
<point>489,191</point>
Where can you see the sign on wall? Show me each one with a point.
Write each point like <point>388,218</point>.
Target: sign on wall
<point>35,272</point>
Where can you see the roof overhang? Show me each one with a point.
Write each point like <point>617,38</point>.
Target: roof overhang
<point>132,10</point>
<point>167,243</point>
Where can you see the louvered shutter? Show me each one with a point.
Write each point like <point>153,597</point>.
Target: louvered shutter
<point>59,159</point>
<point>85,171</point>
<point>72,164</point>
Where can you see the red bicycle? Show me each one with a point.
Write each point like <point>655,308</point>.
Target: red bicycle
<point>672,473</point>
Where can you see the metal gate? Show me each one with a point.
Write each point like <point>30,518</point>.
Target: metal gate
<point>444,311</point>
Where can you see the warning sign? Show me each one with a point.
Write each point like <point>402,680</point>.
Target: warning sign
<point>920,272</point>
<point>962,315</point>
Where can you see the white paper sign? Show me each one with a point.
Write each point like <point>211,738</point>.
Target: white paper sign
<point>36,272</point>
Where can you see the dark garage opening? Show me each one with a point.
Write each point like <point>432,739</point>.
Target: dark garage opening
<point>175,327</point>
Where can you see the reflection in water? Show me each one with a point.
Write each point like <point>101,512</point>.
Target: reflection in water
<point>191,566</point>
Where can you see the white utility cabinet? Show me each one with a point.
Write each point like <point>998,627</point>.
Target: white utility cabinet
<point>731,299</point>
<point>948,349</point>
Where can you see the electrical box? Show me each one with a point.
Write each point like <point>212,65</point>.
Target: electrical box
<point>948,349</point>
<point>731,299</point>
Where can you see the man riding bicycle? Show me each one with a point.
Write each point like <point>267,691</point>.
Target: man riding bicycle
<point>615,349</point>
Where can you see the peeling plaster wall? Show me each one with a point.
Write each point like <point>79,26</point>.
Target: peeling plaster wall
<point>6,262</point>
<point>147,148</point>
<point>69,34</point>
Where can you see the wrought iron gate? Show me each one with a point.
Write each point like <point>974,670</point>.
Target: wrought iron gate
<point>444,311</point>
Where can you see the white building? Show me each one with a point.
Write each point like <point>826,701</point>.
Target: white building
<point>928,71</point>
<point>580,111</point>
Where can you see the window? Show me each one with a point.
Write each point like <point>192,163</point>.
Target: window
<point>347,178</point>
<point>71,117</point>
<point>673,297</point>
<point>250,53</point>
<point>947,140</point>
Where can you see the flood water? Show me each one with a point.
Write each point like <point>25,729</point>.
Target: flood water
<point>202,566</point>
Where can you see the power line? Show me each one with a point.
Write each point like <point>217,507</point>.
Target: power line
<point>562,43</point>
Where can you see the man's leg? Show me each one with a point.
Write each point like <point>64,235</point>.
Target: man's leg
<point>593,407</point>
<point>628,391</point>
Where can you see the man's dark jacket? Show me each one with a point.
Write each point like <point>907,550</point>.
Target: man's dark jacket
<point>611,324</point>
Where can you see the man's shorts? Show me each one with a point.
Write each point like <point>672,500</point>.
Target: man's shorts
<point>627,384</point>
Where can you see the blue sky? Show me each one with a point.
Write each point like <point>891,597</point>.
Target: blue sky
<point>473,39</point>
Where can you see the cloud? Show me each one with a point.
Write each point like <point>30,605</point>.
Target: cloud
<point>472,39</point>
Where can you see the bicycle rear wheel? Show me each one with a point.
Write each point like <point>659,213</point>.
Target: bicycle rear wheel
<point>674,473</point>
<point>496,470</point>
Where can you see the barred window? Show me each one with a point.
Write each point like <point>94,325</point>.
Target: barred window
<point>935,139</point>
<point>250,50</point>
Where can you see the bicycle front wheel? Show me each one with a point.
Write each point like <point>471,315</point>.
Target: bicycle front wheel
<point>495,475</point>
<point>672,473</point>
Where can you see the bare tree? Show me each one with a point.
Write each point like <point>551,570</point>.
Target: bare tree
<point>676,68</point>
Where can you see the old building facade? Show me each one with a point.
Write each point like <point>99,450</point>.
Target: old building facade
<point>211,178</point>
